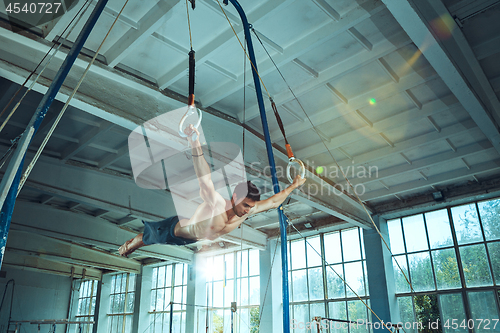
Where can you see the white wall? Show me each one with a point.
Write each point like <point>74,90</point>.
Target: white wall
<point>37,296</point>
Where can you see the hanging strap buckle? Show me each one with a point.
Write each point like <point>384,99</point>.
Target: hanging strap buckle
<point>292,161</point>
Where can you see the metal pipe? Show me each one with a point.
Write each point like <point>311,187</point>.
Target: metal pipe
<point>270,156</point>
<point>171,316</point>
<point>34,124</point>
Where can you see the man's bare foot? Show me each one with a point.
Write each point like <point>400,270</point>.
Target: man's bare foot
<point>131,245</point>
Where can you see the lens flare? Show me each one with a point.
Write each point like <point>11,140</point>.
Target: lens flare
<point>373,101</point>
<point>443,26</point>
<point>319,170</point>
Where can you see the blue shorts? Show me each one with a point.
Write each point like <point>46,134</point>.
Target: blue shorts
<point>162,232</point>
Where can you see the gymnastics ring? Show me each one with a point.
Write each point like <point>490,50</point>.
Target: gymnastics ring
<point>191,109</point>
<point>302,168</point>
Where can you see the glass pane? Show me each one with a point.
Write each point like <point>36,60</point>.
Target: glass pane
<point>466,224</point>
<point>254,319</point>
<point>113,284</point>
<point>301,315</point>
<point>313,248</point>
<point>333,251</point>
<point>452,307</point>
<point>255,290</point>
<point>356,311</point>
<point>396,236</point>
<point>177,298</point>
<point>427,311</point>
<point>243,291</point>
<point>229,262</point>
<point>168,275</point>
<point>317,309</point>
<point>178,274</point>
<point>244,264</point>
<point>130,303</point>
<point>335,286</point>
<point>161,277</point>
<point>228,293</point>
<point>483,306</point>
<point>254,262</point>
<point>406,313</point>
<point>354,278</point>
<point>315,279</point>
<point>185,274</point>
<point>337,310</point>
<point>244,321</point>
<point>367,288</point>
<point>421,271</point>
<point>350,245</point>
<point>494,250</point>
<point>446,269</point>
<point>153,301</point>
<point>298,256</point>
<point>218,268</point>
<point>475,266</point>
<point>401,284</point>
<point>160,299</point>
<point>131,282</point>
<point>415,236</point>
<point>217,321</point>
<point>299,283</point>
<point>227,321</point>
<point>362,242</point>
<point>438,228</point>
<point>490,217</point>
<point>128,324</point>
<point>218,294</point>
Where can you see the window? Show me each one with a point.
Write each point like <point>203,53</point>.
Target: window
<point>121,304</point>
<point>315,286</point>
<point>169,284</point>
<point>452,258</point>
<point>86,304</point>
<point>234,277</point>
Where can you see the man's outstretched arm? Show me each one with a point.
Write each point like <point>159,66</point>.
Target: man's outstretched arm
<point>276,200</point>
<point>201,167</point>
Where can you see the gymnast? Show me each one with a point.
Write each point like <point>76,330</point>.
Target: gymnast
<point>214,217</point>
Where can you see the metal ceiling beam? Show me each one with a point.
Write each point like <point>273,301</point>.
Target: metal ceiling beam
<point>452,58</point>
<point>35,263</point>
<point>338,70</point>
<point>385,91</point>
<point>447,177</point>
<point>248,237</point>
<point>442,158</point>
<point>314,39</point>
<point>99,190</point>
<point>112,158</point>
<point>205,52</point>
<point>148,24</point>
<point>92,135</point>
<point>465,128</point>
<point>405,117</point>
<point>52,222</point>
<point>59,250</point>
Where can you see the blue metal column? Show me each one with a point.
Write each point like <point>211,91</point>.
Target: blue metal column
<point>270,156</point>
<point>34,124</point>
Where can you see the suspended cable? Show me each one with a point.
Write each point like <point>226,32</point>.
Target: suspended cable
<point>189,25</point>
<point>234,31</point>
<point>88,2</point>
<point>336,163</point>
<point>61,113</point>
